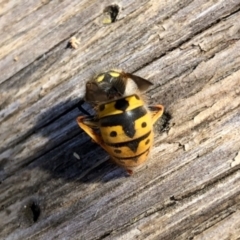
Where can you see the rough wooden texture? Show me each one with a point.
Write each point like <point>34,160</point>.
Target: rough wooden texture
<point>190,50</point>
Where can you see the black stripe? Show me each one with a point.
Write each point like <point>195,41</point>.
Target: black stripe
<point>133,144</point>
<point>121,104</point>
<point>126,120</point>
<point>135,158</point>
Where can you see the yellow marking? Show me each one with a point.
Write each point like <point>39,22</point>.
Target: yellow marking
<point>121,136</point>
<point>100,78</point>
<point>134,102</point>
<point>111,110</point>
<point>114,74</point>
<point>127,152</point>
<point>140,131</point>
<point>105,133</point>
<point>132,163</point>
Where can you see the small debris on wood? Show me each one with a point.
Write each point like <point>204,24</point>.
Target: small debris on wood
<point>110,14</point>
<point>73,43</point>
<point>76,156</point>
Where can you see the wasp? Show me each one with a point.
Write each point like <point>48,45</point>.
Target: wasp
<point>123,123</point>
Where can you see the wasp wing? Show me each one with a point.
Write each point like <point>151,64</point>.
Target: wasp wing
<point>142,83</point>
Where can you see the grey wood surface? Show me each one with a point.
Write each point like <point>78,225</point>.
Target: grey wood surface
<point>57,184</point>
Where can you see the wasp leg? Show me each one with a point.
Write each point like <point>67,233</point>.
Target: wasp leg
<point>88,124</point>
<point>80,107</point>
<point>157,112</point>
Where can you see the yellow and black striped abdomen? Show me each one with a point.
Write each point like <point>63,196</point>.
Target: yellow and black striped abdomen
<point>126,129</point>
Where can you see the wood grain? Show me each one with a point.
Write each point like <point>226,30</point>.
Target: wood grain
<point>190,50</point>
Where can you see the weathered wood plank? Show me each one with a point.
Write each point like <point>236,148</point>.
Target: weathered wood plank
<point>190,50</point>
